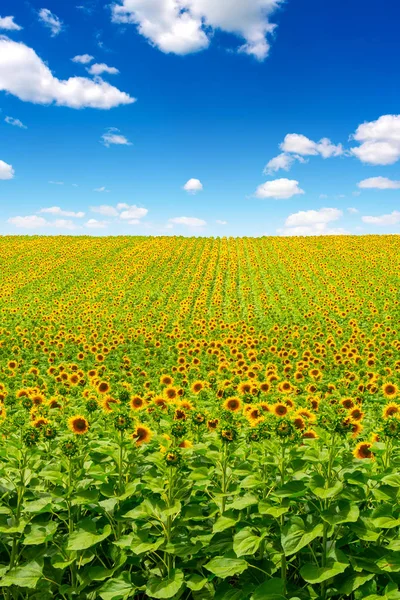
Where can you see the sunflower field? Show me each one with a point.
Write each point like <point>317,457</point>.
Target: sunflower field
<point>200,418</point>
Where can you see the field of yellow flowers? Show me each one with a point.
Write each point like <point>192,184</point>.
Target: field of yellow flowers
<point>198,418</point>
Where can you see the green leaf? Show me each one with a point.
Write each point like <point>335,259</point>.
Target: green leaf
<point>39,506</point>
<point>39,533</point>
<point>390,562</point>
<point>354,582</point>
<point>196,582</point>
<point>342,512</point>
<point>117,589</point>
<point>26,575</point>
<point>296,535</point>
<point>245,542</point>
<point>273,589</point>
<point>86,536</point>
<point>251,481</point>
<point>264,508</point>
<point>314,574</point>
<point>243,502</point>
<point>292,489</point>
<point>226,567</point>
<point>319,487</point>
<point>165,588</point>
<point>392,480</point>
<point>225,521</point>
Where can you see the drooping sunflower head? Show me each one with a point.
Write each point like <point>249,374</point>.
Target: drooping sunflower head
<point>310,434</point>
<point>142,434</point>
<point>363,451</point>
<point>78,425</point>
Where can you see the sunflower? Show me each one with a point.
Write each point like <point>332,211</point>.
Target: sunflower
<point>245,387</point>
<point>310,434</point>
<point>391,410</point>
<point>197,386</point>
<point>212,424</point>
<point>285,387</point>
<point>171,393</point>
<point>186,444</point>
<point>78,425</point>
<point>233,404</point>
<point>142,434</point>
<point>180,415</point>
<point>347,403</point>
<point>280,409</point>
<point>299,422</point>
<point>389,390</point>
<point>356,414</point>
<point>363,450</point>
<point>166,380</point>
<point>375,437</point>
<point>355,428</point>
<point>103,387</point>
<point>137,403</point>
<point>264,387</point>
<point>40,422</point>
<point>160,402</point>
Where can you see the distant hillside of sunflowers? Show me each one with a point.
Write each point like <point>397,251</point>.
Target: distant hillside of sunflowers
<point>200,418</point>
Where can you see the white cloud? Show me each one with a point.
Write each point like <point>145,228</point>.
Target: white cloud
<point>64,224</point>
<point>193,186</point>
<point>113,137</point>
<point>282,161</point>
<point>56,210</point>
<point>313,217</point>
<point>83,59</point>
<point>9,24</point>
<point>6,170</point>
<point>99,68</point>
<point>189,221</point>
<point>133,212</point>
<point>29,222</point>
<point>352,210</point>
<point>51,21</point>
<point>185,26</point>
<point>15,122</point>
<point>105,210</point>
<point>391,219</point>
<point>379,183</point>
<point>95,224</point>
<point>312,222</point>
<point>101,189</point>
<point>25,75</point>
<point>56,182</point>
<point>280,189</point>
<point>300,144</point>
<point>122,205</point>
<point>316,229</point>
<point>379,141</point>
<point>221,222</point>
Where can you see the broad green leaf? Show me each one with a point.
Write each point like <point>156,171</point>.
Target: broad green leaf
<point>226,567</point>
<point>225,521</point>
<point>314,574</point>
<point>296,535</point>
<point>86,536</point>
<point>245,542</point>
<point>167,587</point>
<point>292,489</point>
<point>39,533</point>
<point>117,589</point>
<point>25,576</point>
<point>196,582</point>
<point>320,488</point>
<point>243,502</point>
<point>39,506</point>
<point>273,589</point>
<point>354,582</point>
<point>265,508</point>
<point>390,562</point>
<point>392,480</point>
<point>342,512</point>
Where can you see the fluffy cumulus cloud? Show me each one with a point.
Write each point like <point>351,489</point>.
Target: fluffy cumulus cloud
<point>56,210</point>
<point>379,141</point>
<point>283,161</point>
<point>15,122</point>
<point>83,59</point>
<point>279,189</point>
<point>9,24</point>
<point>390,219</point>
<point>95,224</point>
<point>312,222</point>
<point>130,214</point>
<point>50,20</point>
<point>188,221</point>
<point>29,222</point>
<point>25,75</point>
<point>379,183</point>
<point>100,68</point>
<point>185,26</point>
<point>302,145</point>
<point>193,186</point>
<point>113,137</point>
<point>6,170</point>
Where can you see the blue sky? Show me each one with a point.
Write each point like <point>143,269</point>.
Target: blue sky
<point>220,90</point>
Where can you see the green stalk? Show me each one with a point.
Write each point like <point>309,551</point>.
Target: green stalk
<point>282,522</point>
